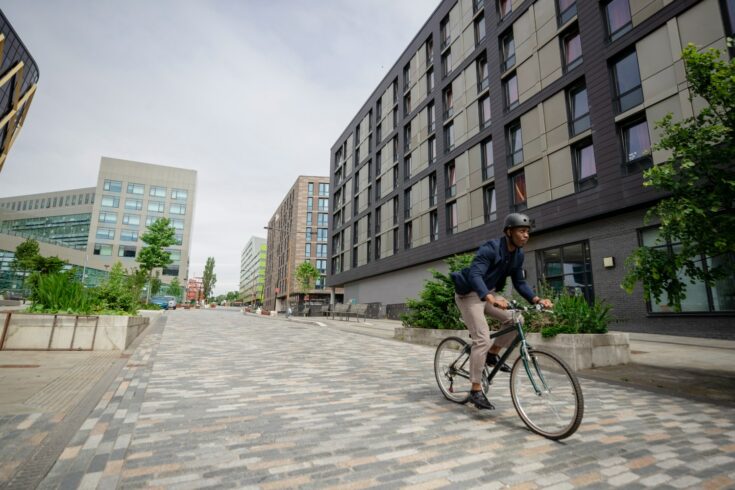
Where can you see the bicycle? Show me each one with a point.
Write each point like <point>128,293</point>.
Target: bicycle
<point>545,392</point>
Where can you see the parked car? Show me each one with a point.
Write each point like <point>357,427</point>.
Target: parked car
<point>165,302</point>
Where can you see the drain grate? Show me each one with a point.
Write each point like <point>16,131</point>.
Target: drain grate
<point>6,366</point>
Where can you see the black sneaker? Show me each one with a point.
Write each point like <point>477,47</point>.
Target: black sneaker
<point>493,359</point>
<point>481,401</point>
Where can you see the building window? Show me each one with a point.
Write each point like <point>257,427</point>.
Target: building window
<point>131,219</point>
<point>449,137</point>
<point>309,202</point>
<point>134,204</point>
<point>434,226</point>
<point>429,51</point>
<point>321,234</point>
<point>110,202</point>
<point>479,29</point>
<point>447,62</point>
<point>617,15</point>
<point>104,249</point>
<point>171,270</point>
<point>511,92</point>
<point>138,189</point>
<point>515,144</point>
<point>584,166</point>
<point>156,191</point>
<point>307,250</point>
<point>444,34</point>
<point>407,203</point>
<point>407,103</point>
<point>310,189</point>
<point>636,141</point>
<point>487,159</point>
<point>377,188</point>
<point>429,81</point>
<point>321,249</point>
<point>628,89</point>
<point>448,103</point>
<point>483,82</point>
<point>105,233</point>
<point>407,168</point>
<point>432,150</point>
<point>322,219</point>
<point>407,137</point>
<point>378,135</point>
<point>408,235</point>
<point>177,208</point>
<point>518,182</point>
<point>451,179</point>
<point>508,51</point>
<point>567,268</point>
<point>156,206</point>
<point>324,189</point>
<point>107,217</point>
<point>452,219</point>
<point>179,194</point>
<point>395,210</point>
<point>579,110</point>
<point>406,77</point>
<point>504,7</point>
<point>489,204</point>
<point>309,218</point>
<point>323,204</point>
<point>178,224</point>
<point>699,296</point>
<point>129,235</point>
<point>572,50</point>
<point>567,10</point>
<point>430,117</point>
<point>484,110</point>
<point>432,189</point>
<point>112,186</point>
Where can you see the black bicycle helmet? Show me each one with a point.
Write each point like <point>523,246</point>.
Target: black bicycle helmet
<point>514,220</point>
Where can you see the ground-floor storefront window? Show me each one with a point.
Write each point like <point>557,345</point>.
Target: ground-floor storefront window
<point>567,268</point>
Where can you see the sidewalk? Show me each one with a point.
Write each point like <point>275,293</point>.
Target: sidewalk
<point>690,367</point>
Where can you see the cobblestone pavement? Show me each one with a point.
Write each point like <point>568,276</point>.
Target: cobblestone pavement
<point>223,400</point>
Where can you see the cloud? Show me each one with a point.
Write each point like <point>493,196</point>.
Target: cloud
<point>250,94</point>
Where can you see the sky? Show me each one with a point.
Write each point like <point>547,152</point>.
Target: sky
<point>249,93</point>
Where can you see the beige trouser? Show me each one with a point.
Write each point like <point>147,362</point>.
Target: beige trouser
<point>473,311</point>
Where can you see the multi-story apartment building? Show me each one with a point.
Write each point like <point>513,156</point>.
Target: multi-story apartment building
<point>252,271</point>
<point>546,107</point>
<point>18,79</point>
<point>298,232</point>
<point>195,289</point>
<point>92,228</point>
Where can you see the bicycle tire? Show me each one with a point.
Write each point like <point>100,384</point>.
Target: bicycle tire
<point>454,382</point>
<point>557,411</point>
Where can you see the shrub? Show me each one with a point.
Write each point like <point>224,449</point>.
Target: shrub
<point>62,293</point>
<point>148,306</point>
<point>115,293</point>
<point>573,314</point>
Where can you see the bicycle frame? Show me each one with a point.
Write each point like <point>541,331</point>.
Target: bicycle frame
<point>519,339</point>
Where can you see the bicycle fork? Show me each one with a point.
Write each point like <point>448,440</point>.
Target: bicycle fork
<point>527,360</point>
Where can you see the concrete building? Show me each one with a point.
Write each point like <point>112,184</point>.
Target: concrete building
<point>252,271</point>
<point>546,107</point>
<point>297,232</point>
<point>18,81</point>
<point>94,227</point>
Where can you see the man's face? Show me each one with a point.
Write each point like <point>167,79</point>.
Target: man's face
<point>519,236</point>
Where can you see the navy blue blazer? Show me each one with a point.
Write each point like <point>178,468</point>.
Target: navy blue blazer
<point>492,264</point>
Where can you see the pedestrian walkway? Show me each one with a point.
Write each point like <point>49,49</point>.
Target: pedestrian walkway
<point>302,407</point>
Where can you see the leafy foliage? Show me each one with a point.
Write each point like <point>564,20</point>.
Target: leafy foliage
<point>435,307</point>
<point>306,275</point>
<point>61,292</point>
<point>175,289</point>
<point>25,255</point>
<point>116,293</point>
<point>573,314</point>
<point>699,178</point>
<point>159,235</point>
<point>209,278</point>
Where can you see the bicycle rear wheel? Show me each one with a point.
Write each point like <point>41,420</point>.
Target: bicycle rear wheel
<point>452,369</point>
<point>554,407</point>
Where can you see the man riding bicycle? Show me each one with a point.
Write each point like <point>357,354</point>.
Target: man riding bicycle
<point>476,294</point>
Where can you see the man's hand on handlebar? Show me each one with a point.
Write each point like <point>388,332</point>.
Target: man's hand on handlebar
<point>546,303</point>
<point>497,302</point>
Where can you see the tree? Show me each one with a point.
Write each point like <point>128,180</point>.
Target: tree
<point>160,234</point>
<point>232,296</point>
<point>435,307</point>
<point>306,274</point>
<point>115,292</point>
<point>156,285</point>
<point>25,255</point>
<point>699,180</point>
<point>175,289</point>
<point>29,260</point>
<point>210,278</point>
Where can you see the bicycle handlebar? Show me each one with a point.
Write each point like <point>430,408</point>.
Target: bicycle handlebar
<point>516,306</point>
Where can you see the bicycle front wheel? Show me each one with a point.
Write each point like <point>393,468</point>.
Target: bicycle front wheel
<point>452,369</point>
<point>546,394</point>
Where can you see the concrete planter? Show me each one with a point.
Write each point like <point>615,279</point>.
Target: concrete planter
<point>24,331</point>
<point>579,351</point>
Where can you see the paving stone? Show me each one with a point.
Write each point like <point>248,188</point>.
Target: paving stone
<point>320,408</point>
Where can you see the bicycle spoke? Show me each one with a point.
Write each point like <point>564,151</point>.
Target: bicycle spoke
<point>450,363</point>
